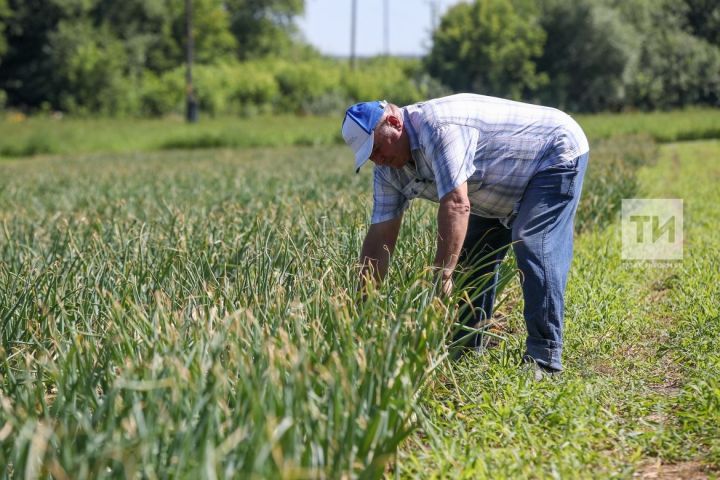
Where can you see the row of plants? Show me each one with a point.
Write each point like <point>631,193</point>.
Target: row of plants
<point>194,315</point>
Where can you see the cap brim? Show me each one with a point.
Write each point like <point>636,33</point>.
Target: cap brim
<point>363,153</point>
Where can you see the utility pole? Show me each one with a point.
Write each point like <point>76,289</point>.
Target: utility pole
<point>191,111</point>
<point>386,27</point>
<point>434,8</point>
<point>353,24</point>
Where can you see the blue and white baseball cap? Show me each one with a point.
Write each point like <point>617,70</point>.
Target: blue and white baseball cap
<point>358,128</point>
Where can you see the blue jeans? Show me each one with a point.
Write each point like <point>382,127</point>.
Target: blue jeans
<point>542,238</point>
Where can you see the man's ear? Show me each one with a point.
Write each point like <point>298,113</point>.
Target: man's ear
<point>394,121</point>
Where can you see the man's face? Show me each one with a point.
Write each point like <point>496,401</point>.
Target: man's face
<point>390,147</point>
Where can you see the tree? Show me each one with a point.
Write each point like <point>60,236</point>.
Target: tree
<point>586,55</point>
<point>4,14</point>
<point>264,27</point>
<point>81,53</point>
<point>153,31</point>
<point>703,17</point>
<point>673,68</point>
<point>26,74</point>
<point>90,69</point>
<point>490,47</point>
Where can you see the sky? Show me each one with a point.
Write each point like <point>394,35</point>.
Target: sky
<point>326,25</point>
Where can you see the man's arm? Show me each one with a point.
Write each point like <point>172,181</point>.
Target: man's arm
<point>379,244</point>
<point>452,218</point>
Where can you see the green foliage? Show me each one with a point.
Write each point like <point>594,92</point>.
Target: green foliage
<point>161,94</point>
<point>687,295</point>
<point>398,81</point>
<point>212,37</point>
<point>305,87</point>
<point>301,84</point>
<point>670,66</point>
<point>93,55</point>
<point>703,19</point>
<point>640,394</point>
<point>585,56</point>
<point>26,74</point>
<point>264,27</point>
<point>612,176</point>
<point>89,64</point>
<point>191,314</point>
<point>4,13</point>
<point>489,47</point>
<point>200,308</point>
<point>675,69</point>
<point>153,32</point>
<point>252,88</point>
<point>581,56</point>
<point>35,144</point>
<point>149,30</point>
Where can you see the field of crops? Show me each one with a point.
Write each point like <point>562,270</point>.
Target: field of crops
<point>192,314</point>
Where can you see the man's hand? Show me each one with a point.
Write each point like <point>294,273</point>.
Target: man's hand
<point>446,287</point>
<point>453,215</point>
<point>377,248</point>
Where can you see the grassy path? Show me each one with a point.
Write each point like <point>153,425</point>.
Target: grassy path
<point>690,306</point>
<point>641,394</point>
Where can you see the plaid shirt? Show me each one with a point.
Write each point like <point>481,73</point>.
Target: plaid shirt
<point>494,145</point>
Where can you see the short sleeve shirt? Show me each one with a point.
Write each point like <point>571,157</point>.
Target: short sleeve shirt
<point>494,145</point>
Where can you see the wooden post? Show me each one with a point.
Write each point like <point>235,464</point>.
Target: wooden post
<point>191,111</point>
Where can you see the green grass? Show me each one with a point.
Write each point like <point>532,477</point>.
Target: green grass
<point>22,137</point>
<point>641,387</point>
<point>680,125</point>
<point>689,306</point>
<point>192,314</point>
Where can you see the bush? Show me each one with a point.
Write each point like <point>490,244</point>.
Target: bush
<point>396,80</point>
<point>161,94</point>
<point>586,55</point>
<point>318,87</point>
<point>376,82</point>
<point>252,84</point>
<point>303,83</point>
<point>89,64</point>
<point>333,102</point>
<point>212,89</point>
<point>37,144</point>
<point>489,47</point>
<point>612,176</point>
<point>675,70</point>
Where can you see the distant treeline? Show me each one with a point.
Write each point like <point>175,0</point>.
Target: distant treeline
<point>583,55</point>
<point>126,57</point>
